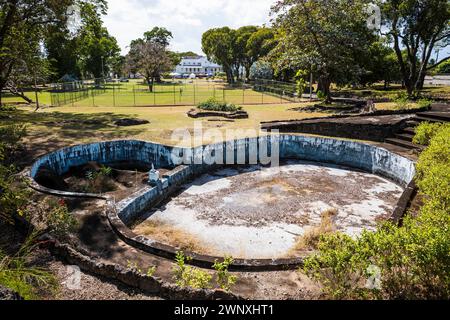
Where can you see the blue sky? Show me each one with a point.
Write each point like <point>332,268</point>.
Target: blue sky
<point>187,19</point>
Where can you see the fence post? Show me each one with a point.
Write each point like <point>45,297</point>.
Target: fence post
<point>134,94</point>
<point>195,97</point>
<point>114,95</point>
<point>243,95</point>
<point>262,97</point>
<point>174,95</point>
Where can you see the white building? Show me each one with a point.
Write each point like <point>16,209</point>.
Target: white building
<point>197,65</point>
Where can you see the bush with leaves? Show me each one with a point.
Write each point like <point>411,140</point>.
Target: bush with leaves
<point>413,260</point>
<point>60,221</point>
<point>214,105</point>
<point>186,276</point>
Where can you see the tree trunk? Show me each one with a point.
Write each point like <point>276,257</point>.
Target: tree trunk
<point>150,83</point>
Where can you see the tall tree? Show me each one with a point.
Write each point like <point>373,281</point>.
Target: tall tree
<point>218,44</point>
<point>259,45</point>
<point>159,35</point>
<point>417,27</point>
<point>243,59</point>
<point>325,36</point>
<point>97,48</point>
<point>150,57</point>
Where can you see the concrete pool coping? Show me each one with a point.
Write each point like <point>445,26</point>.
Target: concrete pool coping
<point>121,214</point>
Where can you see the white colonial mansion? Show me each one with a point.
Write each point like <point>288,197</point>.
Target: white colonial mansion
<point>198,65</point>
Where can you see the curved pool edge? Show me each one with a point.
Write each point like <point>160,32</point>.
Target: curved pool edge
<point>379,160</point>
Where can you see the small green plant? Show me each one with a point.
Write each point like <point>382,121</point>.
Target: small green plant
<point>133,266</point>
<point>151,271</point>
<point>214,105</point>
<point>321,96</point>
<point>224,279</point>
<point>425,132</point>
<point>10,141</point>
<point>99,181</point>
<point>186,276</point>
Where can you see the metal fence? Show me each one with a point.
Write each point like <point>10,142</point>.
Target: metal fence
<point>100,92</point>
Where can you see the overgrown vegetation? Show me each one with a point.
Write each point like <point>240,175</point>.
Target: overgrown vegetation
<point>410,262</point>
<point>425,132</point>
<point>214,105</point>
<point>18,273</point>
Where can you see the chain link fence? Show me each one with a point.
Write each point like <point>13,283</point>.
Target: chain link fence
<point>101,92</point>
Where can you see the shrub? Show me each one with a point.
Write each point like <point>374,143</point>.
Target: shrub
<point>60,221</point>
<point>425,132</point>
<point>13,194</point>
<point>411,262</point>
<point>186,276</point>
<point>224,279</point>
<point>214,105</point>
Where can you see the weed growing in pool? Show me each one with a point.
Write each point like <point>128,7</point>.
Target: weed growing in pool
<point>311,238</point>
<point>186,276</point>
<point>224,279</point>
<point>100,181</point>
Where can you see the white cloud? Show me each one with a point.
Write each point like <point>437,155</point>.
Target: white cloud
<point>187,19</point>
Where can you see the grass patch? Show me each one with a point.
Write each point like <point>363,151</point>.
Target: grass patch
<point>311,238</point>
<point>170,235</point>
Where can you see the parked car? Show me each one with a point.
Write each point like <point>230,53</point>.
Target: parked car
<point>124,80</point>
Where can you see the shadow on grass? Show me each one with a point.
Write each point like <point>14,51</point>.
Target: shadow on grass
<point>49,131</point>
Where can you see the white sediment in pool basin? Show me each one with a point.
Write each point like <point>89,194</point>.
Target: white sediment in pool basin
<point>261,212</point>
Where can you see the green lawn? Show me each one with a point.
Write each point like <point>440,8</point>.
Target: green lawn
<point>54,128</point>
<point>181,92</point>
